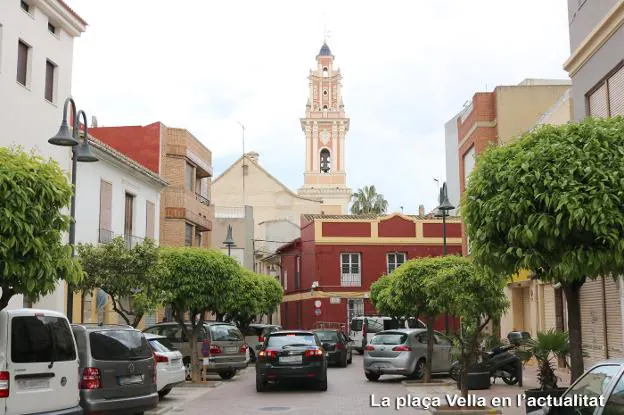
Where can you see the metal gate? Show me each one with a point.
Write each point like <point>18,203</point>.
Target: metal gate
<point>355,308</point>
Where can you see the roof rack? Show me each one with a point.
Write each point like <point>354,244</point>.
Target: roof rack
<point>103,325</point>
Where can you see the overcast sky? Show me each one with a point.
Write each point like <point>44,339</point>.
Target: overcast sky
<point>408,67</point>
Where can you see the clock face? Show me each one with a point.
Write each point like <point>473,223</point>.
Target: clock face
<point>325,137</point>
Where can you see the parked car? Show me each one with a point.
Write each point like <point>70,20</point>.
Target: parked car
<point>604,379</point>
<point>38,363</point>
<point>170,370</point>
<point>117,368</point>
<point>254,336</point>
<point>337,345</point>
<point>292,354</point>
<point>221,346</point>
<point>363,328</point>
<point>403,352</point>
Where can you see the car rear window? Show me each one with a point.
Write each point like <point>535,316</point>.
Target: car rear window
<point>157,346</point>
<point>36,339</point>
<point>225,332</point>
<point>280,340</point>
<point>327,336</point>
<point>356,325</point>
<point>389,338</point>
<point>119,345</point>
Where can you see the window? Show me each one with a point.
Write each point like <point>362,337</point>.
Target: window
<point>188,234</point>
<point>51,28</point>
<point>281,340</point>
<point>325,92</point>
<point>615,403</point>
<point>324,107</point>
<point>592,384</point>
<point>607,98</point>
<point>116,345</point>
<point>189,176</point>
<point>325,72</point>
<point>23,52</point>
<point>328,336</point>
<point>129,216</point>
<point>350,270</point>
<point>395,260</point>
<point>469,164</point>
<point>440,339</point>
<point>41,339</point>
<point>325,161</point>
<point>285,282</point>
<point>225,333</point>
<point>198,238</point>
<point>150,216</point>
<point>297,272</point>
<point>25,6</point>
<point>390,339</point>
<point>106,212</point>
<point>49,80</point>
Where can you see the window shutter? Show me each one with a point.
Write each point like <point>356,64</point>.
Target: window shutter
<point>598,103</point>
<point>129,215</point>
<point>49,81</point>
<point>150,209</point>
<point>106,202</point>
<point>616,93</point>
<point>22,62</point>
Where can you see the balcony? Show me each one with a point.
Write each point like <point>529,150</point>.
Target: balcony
<point>132,241</point>
<point>105,236</point>
<point>180,203</point>
<point>350,280</point>
<point>202,199</point>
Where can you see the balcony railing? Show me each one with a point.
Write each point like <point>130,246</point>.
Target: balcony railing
<point>351,280</point>
<point>132,241</point>
<point>202,199</point>
<point>105,236</point>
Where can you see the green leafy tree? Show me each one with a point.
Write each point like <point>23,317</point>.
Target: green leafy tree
<point>196,281</point>
<point>367,200</point>
<point>553,202</point>
<point>33,194</point>
<point>125,275</point>
<point>383,299</point>
<point>473,295</point>
<point>272,294</point>
<point>244,299</point>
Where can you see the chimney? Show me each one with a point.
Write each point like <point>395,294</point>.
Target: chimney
<point>421,210</point>
<point>94,123</point>
<point>253,156</point>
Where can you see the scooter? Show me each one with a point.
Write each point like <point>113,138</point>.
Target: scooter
<point>501,362</point>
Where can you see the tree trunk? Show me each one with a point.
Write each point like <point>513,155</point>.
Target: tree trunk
<point>463,377</point>
<point>572,294</point>
<point>195,363</point>
<point>430,341</point>
<point>137,320</point>
<point>7,293</point>
<point>496,328</point>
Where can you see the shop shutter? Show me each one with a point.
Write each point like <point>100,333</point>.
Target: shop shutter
<point>549,307</point>
<point>614,318</point>
<point>616,93</point>
<point>598,102</point>
<point>592,326</point>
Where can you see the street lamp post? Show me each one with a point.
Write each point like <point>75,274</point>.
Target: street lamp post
<point>81,152</point>
<point>443,211</point>
<point>229,240</point>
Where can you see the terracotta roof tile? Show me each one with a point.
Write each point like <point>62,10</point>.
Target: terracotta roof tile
<point>311,217</point>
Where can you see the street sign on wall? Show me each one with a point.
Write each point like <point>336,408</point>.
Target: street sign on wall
<point>317,304</point>
<point>334,300</point>
<point>317,311</point>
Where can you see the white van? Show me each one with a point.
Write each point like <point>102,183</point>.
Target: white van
<point>38,364</point>
<point>374,324</point>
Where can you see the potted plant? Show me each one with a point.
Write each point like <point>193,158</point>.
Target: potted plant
<point>466,351</point>
<point>545,348</point>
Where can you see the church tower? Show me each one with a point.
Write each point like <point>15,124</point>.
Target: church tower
<point>325,126</point>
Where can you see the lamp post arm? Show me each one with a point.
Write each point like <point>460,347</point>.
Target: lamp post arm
<point>68,102</point>
<point>82,114</point>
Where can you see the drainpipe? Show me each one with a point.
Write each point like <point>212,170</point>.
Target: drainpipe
<point>604,317</point>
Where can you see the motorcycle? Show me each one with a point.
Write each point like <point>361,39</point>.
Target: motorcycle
<point>500,361</point>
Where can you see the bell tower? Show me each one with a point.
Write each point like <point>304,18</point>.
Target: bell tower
<point>325,126</point>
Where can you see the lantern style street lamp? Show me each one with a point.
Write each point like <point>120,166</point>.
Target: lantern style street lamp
<point>229,240</point>
<point>443,211</point>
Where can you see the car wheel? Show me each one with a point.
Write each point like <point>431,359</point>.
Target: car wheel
<point>419,370</point>
<point>227,375</point>
<point>373,377</point>
<point>261,385</point>
<point>350,360</point>
<point>163,393</point>
<point>322,385</point>
<point>360,351</point>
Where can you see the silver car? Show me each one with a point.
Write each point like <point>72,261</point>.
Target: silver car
<point>403,352</point>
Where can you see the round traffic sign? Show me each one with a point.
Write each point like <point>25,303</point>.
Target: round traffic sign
<point>317,304</point>
<point>317,311</point>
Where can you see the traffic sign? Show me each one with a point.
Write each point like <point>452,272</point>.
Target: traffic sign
<point>317,311</point>
<point>317,304</point>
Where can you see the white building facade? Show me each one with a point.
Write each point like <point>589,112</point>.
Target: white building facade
<point>115,197</point>
<point>451,146</point>
<point>36,54</point>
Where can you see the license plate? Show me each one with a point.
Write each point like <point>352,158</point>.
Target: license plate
<point>34,383</point>
<point>130,380</point>
<point>291,359</point>
<point>380,365</point>
<point>231,350</point>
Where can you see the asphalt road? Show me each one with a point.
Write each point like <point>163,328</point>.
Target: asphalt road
<point>349,392</point>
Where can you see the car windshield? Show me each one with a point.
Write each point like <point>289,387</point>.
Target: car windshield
<point>389,338</point>
<point>115,345</point>
<point>288,339</point>
<point>356,324</point>
<point>327,336</point>
<point>225,332</point>
<point>36,339</point>
<point>157,346</point>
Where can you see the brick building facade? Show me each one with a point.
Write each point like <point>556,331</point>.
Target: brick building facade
<point>338,257</point>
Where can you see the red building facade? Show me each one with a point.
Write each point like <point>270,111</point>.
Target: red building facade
<point>328,271</point>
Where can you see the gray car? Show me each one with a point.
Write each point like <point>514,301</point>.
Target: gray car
<point>221,346</point>
<point>117,369</point>
<point>403,352</point>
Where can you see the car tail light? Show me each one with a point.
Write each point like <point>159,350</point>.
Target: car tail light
<point>313,352</point>
<point>369,348</point>
<point>91,378</point>
<point>4,384</point>
<point>339,346</point>
<point>402,348</point>
<point>214,349</point>
<point>243,349</point>
<point>268,354</point>
<point>161,358</point>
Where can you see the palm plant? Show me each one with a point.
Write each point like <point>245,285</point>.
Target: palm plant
<point>366,201</point>
<point>546,347</point>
